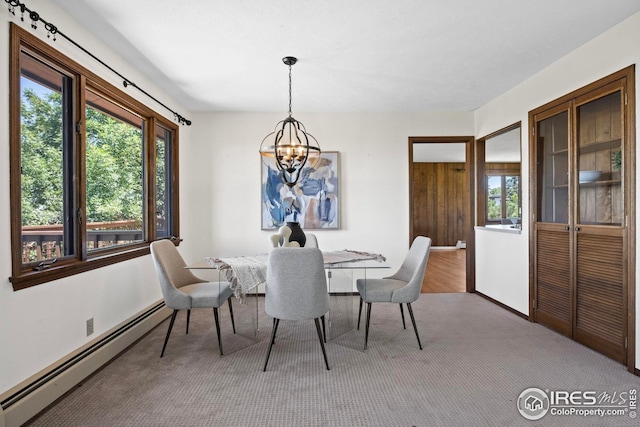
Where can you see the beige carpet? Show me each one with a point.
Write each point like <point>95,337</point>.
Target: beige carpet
<point>477,359</point>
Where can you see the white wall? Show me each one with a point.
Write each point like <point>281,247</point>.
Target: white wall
<point>610,52</point>
<point>374,177</point>
<point>42,324</point>
<point>501,267</point>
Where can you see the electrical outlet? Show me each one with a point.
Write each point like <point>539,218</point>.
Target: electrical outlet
<point>89,326</point>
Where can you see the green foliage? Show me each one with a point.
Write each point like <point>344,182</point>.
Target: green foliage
<point>494,208</point>
<point>511,203</point>
<point>41,141</point>
<point>114,169</point>
<point>114,166</point>
<point>616,160</point>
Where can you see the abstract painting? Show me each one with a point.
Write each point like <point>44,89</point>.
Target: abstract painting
<point>313,202</point>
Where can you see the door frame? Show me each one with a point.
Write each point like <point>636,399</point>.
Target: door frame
<point>469,142</point>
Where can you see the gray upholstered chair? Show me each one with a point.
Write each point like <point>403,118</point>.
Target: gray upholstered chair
<point>182,290</point>
<point>402,288</point>
<point>312,241</point>
<point>296,289</point>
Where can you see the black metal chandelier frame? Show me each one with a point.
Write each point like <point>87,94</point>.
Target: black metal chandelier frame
<point>290,143</point>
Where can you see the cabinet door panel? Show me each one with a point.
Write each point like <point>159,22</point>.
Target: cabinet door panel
<point>600,144</point>
<point>553,168</point>
<point>553,278</point>
<point>599,292</point>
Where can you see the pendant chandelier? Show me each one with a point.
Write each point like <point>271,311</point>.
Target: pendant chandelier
<point>290,144</point>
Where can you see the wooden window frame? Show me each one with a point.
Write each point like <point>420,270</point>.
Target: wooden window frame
<point>24,275</point>
<point>483,169</point>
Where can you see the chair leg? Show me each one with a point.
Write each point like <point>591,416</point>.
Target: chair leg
<point>273,326</point>
<point>166,340</point>
<point>215,316</point>
<point>233,323</point>
<point>324,330</point>
<point>188,318</point>
<point>324,351</point>
<point>404,325</point>
<point>366,333</point>
<point>359,313</point>
<point>415,328</point>
<point>276,322</point>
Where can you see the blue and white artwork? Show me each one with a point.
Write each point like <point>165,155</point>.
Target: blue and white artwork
<point>313,201</point>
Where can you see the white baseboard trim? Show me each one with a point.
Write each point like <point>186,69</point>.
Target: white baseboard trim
<point>27,399</point>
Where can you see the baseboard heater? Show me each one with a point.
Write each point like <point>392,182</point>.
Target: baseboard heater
<point>34,395</point>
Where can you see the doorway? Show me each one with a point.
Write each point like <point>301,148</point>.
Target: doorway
<point>441,206</point>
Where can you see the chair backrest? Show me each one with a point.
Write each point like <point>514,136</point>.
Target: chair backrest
<point>296,284</point>
<point>312,241</point>
<point>172,274</point>
<point>412,271</point>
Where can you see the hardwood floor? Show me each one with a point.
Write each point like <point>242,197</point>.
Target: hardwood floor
<point>445,271</point>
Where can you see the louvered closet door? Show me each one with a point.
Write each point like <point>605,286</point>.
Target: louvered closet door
<point>600,304</point>
<point>553,278</point>
<point>582,165</point>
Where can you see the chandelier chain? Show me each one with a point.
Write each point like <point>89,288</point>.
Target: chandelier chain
<point>289,90</point>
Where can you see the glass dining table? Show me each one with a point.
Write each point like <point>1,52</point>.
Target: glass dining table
<point>343,297</point>
<point>248,273</point>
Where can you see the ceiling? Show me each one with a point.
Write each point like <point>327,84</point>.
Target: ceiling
<point>353,55</point>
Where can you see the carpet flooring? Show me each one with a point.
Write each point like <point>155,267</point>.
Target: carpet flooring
<point>476,361</point>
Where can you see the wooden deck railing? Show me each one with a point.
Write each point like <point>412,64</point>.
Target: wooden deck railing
<point>41,242</point>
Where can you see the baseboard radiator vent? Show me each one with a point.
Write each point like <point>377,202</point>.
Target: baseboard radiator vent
<point>26,400</point>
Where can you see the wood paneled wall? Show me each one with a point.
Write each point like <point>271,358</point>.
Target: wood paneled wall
<point>439,205</point>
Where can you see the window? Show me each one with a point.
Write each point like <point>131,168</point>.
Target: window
<point>93,171</point>
<point>164,197</point>
<point>114,159</point>
<point>503,199</point>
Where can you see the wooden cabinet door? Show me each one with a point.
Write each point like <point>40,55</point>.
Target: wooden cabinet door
<point>553,264</point>
<point>580,186</point>
<point>600,297</point>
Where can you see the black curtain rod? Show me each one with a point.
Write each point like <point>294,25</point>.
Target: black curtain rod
<point>52,30</point>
